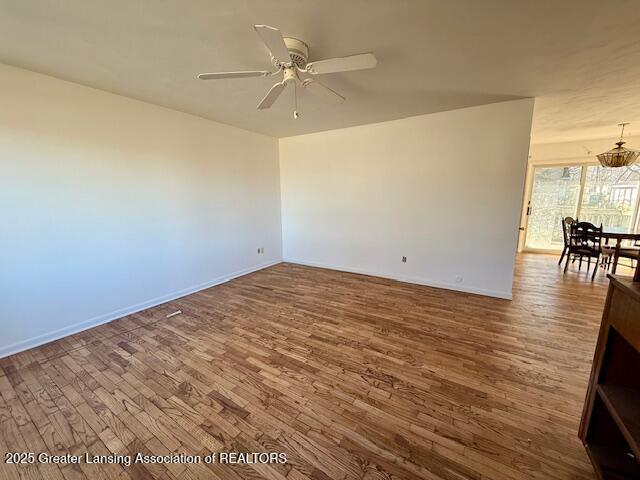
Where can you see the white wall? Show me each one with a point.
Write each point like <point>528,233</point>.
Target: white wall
<point>444,190</point>
<point>109,205</point>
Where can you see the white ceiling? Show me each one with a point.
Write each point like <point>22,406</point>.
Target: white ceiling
<point>580,57</point>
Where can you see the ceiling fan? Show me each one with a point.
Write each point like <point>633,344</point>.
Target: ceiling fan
<point>290,55</point>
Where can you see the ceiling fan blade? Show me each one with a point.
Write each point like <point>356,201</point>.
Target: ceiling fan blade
<point>323,91</point>
<point>271,96</point>
<point>343,64</point>
<point>218,75</point>
<point>272,38</point>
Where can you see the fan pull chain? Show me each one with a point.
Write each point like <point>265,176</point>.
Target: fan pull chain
<point>295,101</point>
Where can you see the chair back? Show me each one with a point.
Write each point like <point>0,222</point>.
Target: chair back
<point>566,223</point>
<point>586,235</point>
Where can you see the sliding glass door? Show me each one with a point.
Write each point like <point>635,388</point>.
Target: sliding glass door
<point>554,195</point>
<point>591,193</point>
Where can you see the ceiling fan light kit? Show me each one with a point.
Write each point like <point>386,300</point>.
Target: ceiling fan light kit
<point>290,57</point>
<point>618,156</point>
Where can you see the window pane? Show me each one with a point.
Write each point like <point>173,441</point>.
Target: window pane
<point>554,196</point>
<point>610,197</point>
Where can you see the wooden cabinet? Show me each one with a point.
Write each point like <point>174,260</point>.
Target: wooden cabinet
<point>610,427</point>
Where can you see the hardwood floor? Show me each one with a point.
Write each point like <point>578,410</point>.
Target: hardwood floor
<point>351,376</point>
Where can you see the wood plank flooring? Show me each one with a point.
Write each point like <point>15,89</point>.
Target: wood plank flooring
<point>353,377</point>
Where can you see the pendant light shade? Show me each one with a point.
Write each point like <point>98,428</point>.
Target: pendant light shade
<point>619,156</point>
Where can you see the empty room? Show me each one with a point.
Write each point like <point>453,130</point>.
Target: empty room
<point>311,240</point>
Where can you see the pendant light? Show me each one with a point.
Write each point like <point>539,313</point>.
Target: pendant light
<point>619,156</point>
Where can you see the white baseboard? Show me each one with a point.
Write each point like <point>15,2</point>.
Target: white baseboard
<point>123,312</point>
<point>407,279</point>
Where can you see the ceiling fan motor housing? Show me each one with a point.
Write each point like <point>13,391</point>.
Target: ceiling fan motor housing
<point>298,50</point>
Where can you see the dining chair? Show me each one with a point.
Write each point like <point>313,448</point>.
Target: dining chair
<point>631,252</point>
<point>607,252</point>
<point>565,224</point>
<point>585,241</point>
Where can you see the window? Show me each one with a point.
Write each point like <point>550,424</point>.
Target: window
<point>610,196</point>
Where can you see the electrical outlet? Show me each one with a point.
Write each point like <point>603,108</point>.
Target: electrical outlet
<point>404,259</point>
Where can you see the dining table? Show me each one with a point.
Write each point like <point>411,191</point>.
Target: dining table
<point>619,237</point>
